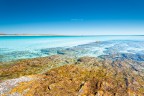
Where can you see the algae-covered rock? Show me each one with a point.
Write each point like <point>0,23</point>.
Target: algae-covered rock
<point>88,76</point>
<point>31,66</point>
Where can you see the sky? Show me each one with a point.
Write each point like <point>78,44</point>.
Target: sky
<point>72,17</point>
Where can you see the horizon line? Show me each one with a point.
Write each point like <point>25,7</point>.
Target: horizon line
<point>3,34</point>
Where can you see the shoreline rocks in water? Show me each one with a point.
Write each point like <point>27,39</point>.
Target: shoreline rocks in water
<point>128,48</point>
<point>62,76</point>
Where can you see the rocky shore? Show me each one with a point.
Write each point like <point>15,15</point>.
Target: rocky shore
<point>60,75</point>
<point>113,68</point>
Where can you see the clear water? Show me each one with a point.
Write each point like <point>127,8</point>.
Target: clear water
<point>21,47</point>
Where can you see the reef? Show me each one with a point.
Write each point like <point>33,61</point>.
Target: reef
<point>60,75</point>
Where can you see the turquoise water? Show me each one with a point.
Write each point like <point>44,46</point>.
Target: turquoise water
<point>21,47</point>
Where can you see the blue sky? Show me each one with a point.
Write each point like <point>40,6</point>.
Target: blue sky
<point>72,17</point>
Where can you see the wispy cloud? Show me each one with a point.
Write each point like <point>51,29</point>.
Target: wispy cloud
<point>76,19</point>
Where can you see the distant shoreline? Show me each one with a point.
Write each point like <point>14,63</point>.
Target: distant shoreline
<point>34,35</point>
<point>59,35</point>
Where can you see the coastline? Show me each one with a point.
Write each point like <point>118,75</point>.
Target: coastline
<point>96,68</point>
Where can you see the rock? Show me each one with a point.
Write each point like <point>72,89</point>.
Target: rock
<point>87,76</point>
<point>8,85</point>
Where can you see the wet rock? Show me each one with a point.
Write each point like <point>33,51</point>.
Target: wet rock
<point>32,66</point>
<point>8,85</point>
<point>87,76</point>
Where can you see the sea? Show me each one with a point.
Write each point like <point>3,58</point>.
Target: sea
<point>24,47</point>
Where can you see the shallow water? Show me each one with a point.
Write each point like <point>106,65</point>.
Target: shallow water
<point>21,47</point>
